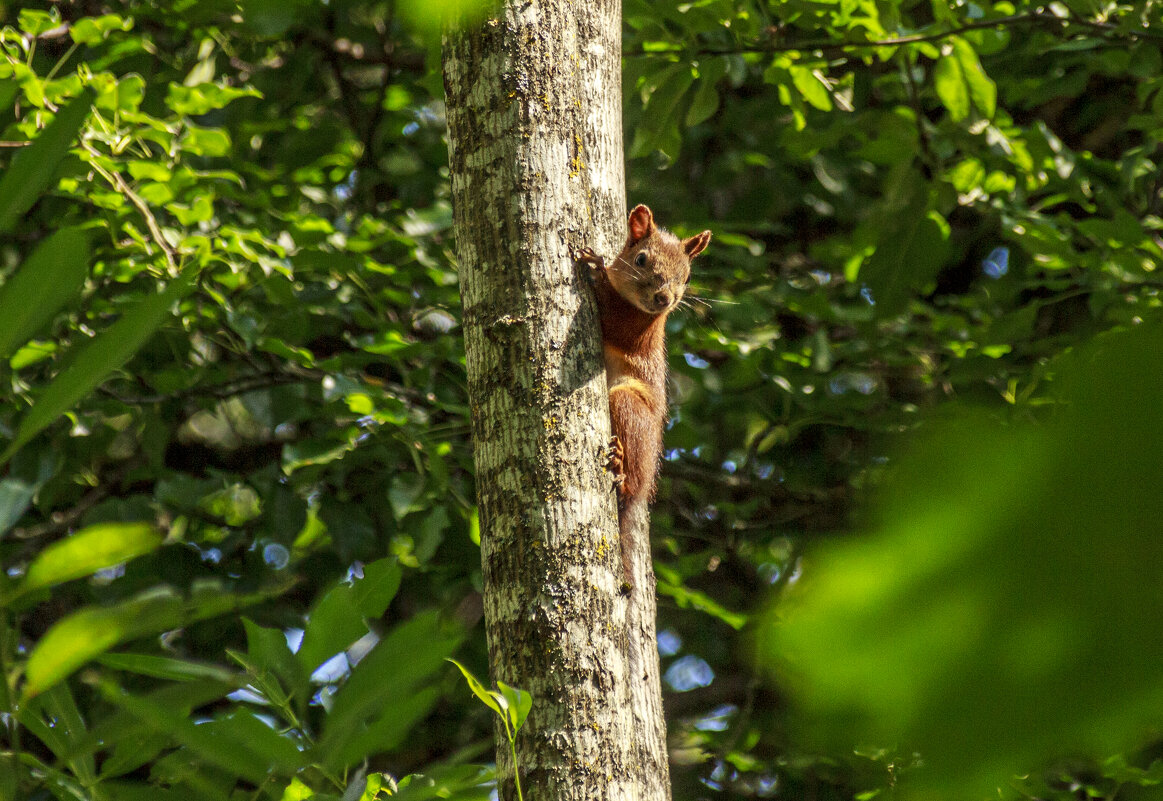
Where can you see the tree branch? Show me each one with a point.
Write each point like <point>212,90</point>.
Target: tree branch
<point>833,47</point>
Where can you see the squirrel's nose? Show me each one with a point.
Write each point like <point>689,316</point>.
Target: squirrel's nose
<point>662,299</point>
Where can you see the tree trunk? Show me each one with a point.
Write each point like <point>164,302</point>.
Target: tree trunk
<point>535,152</point>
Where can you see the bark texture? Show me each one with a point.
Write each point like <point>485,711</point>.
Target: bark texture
<point>535,153</point>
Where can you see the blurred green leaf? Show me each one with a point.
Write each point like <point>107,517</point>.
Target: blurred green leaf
<point>45,282</point>
<point>334,624</point>
<point>194,101</point>
<point>375,591</point>
<point>94,360</point>
<point>949,80</point>
<point>89,550</point>
<point>962,84</point>
<point>909,253</point>
<point>385,695</point>
<point>166,667</point>
<point>15,497</point>
<point>32,169</point>
<point>812,87</point>
<point>91,631</point>
<point>61,708</point>
<point>1014,567</point>
<point>981,90</point>
<point>268,650</point>
<point>135,742</point>
<point>34,22</point>
<point>91,30</point>
<point>238,743</point>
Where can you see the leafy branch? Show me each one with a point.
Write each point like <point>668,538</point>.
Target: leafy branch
<point>1052,22</point>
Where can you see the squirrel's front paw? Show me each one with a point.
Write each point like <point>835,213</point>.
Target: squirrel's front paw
<point>587,256</point>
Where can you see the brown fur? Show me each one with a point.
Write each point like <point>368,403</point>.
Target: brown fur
<point>634,300</point>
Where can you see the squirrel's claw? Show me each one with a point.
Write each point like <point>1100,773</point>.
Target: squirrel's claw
<point>587,256</point>
<point>614,463</point>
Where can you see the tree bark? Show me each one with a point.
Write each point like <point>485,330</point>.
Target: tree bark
<point>535,154</point>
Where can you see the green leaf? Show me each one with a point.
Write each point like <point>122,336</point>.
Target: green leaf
<point>334,624</point>
<point>35,22</point>
<point>961,82</point>
<point>705,100</point>
<point>659,127</point>
<point>519,704</point>
<point>671,584</point>
<point>949,80</point>
<point>813,88</point>
<point>94,360</point>
<point>381,579</point>
<point>404,494</point>
<point>15,498</point>
<point>388,731</point>
<point>45,282</point>
<point>61,707</point>
<point>166,667</point>
<point>910,252</point>
<point>1006,609</point>
<point>94,30</point>
<point>384,692</point>
<point>194,101</point>
<point>478,689</point>
<point>136,743</point>
<point>981,90</point>
<point>89,550</point>
<point>33,168</point>
<point>90,632</point>
<point>234,743</point>
<point>268,650</point>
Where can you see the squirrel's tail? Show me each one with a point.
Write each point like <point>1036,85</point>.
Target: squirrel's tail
<point>626,515</point>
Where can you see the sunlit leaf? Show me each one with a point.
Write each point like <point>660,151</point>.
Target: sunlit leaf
<point>477,688</point>
<point>89,550</point>
<point>519,704</point>
<point>812,87</point>
<point>91,631</point>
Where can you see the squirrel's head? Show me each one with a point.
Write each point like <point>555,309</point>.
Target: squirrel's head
<point>654,268</point>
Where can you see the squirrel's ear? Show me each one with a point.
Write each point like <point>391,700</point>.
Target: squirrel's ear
<point>641,223</point>
<point>696,244</point>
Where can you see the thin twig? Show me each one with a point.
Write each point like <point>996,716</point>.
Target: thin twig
<point>60,522</point>
<point>151,222</point>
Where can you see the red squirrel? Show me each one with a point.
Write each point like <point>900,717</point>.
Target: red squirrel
<point>635,294</point>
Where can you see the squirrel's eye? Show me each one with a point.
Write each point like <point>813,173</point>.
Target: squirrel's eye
<point>640,259</point>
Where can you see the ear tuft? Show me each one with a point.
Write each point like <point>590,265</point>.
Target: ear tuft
<point>696,244</point>
<point>641,223</point>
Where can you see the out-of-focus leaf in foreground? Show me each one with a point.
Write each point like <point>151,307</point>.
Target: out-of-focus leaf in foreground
<point>1008,608</point>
